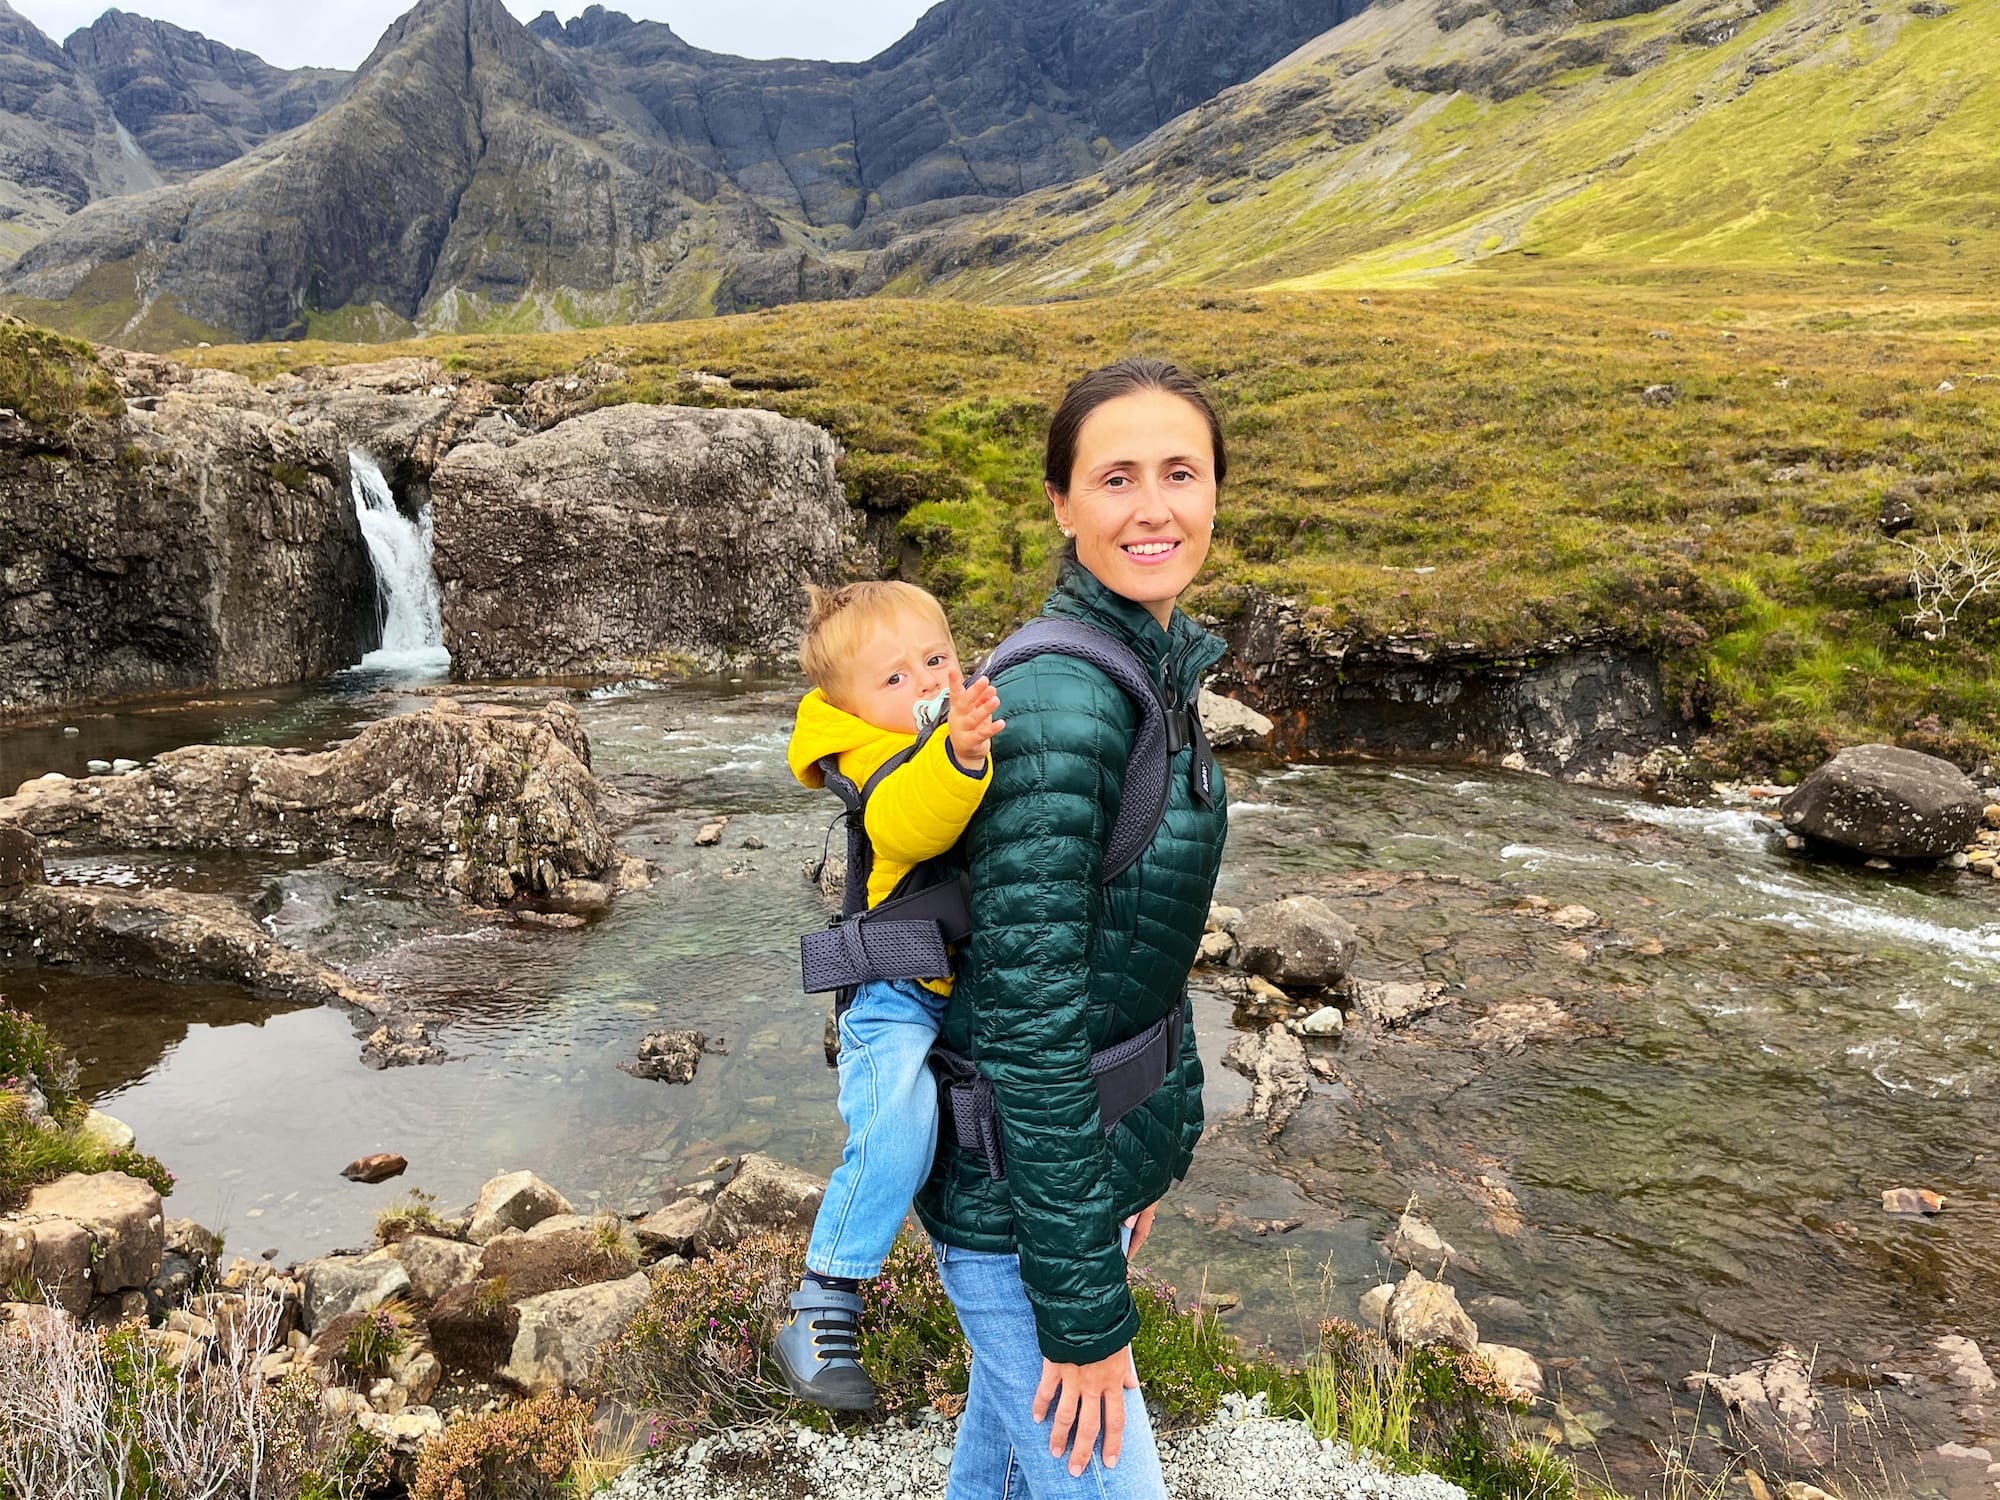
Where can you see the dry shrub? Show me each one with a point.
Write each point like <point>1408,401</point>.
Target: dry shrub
<point>521,1452</point>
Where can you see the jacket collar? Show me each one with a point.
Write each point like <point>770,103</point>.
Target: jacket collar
<point>1179,654</point>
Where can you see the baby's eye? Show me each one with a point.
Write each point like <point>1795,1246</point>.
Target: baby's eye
<point>936,661</point>
<point>895,680</point>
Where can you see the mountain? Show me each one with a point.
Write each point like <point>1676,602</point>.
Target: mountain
<point>60,146</point>
<point>1629,136</point>
<point>482,174</point>
<point>190,103</point>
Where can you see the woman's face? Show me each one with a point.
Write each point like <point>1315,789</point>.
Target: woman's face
<point>1141,499</point>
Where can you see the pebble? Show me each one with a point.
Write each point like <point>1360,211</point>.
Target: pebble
<point>1241,1455</point>
<point>1326,1021</point>
<point>1904,1200</point>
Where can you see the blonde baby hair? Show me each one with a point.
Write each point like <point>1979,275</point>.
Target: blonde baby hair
<point>839,620</point>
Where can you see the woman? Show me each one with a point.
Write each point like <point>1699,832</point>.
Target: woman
<point>1060,967</point>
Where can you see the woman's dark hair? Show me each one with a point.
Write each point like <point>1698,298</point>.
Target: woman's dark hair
<point>1127,377</point>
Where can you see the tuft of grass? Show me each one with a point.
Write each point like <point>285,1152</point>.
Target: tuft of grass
<point>33,1152</point>
<point>378,1338</point>
<point>415,1212</point>
<point>52,382</point>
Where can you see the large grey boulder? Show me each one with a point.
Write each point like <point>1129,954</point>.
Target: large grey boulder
<point>514,1200</point>
<point>634,535</point>
<point>560,1333</point>
<point>20,861</point>
<point>342,1284</point>
<point>764,1197</point>
<point>434,1264</point>
<point>1299,943</point>
<point>123,1216</point>
<point>1887,803</point>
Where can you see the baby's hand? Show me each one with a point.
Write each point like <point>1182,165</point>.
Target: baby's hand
<point>972,723</point>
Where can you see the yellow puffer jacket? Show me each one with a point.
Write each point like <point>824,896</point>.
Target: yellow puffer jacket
<point>915,813</point>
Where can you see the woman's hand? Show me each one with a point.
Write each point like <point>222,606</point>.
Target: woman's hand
<point>1087,1399</point>
<point>1141,1225</point>
<point>972,723</point>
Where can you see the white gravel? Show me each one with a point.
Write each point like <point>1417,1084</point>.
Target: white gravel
<point>1241,1455</point>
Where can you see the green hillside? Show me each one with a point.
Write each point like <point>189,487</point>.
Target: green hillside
<point>1808,135</point>
<point>1465,466</point>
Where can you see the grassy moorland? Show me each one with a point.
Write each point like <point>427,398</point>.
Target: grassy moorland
<point>1464,464</point>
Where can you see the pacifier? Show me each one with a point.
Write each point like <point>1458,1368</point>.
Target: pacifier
<point>932,711</point>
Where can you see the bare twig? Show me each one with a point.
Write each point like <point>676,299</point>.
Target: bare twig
<point>1946,574</point>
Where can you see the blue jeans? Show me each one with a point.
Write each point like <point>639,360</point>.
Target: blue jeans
<point>888,1097</point>
<point>1002,1451</point>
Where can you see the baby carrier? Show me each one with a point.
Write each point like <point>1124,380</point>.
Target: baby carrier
<point>910,933</point>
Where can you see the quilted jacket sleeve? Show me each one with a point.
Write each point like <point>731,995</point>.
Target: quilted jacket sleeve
<point>1034,854</point>
<point>1190,1080</point>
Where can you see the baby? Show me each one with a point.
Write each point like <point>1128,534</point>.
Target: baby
<point>880,657</point>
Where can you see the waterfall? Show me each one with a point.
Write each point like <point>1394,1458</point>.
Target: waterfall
<point>406,598</point>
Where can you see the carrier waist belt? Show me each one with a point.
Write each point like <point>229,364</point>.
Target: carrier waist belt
<point>1126,1076</point>
<point>906,937</point>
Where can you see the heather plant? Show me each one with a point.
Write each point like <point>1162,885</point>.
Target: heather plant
<point>29,1055</point>
<point>528,1451</point>
<point>377,1339</point>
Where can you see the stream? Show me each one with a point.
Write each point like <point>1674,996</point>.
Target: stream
<point>1657,1141</point>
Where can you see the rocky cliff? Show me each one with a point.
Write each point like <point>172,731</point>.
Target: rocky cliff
<point>481,173</point>
<point>161,537</point>
<point>188,102</point>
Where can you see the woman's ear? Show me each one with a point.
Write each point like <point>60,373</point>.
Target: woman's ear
<point>1059,502</point>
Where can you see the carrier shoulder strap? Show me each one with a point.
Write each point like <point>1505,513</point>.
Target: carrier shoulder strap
<point>1143,802</point>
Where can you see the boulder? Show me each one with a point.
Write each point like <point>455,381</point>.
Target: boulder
<point>17,1251</point>
<point>1416,1243</point>
<point>1422,1311</point>
<point>113,1135</point>
<point>61,1264</point>
<point>670,1056</point>
<point>1229,724</point>
<point>1516,1368</point>
<point>516,1200</point>
<point>1298,943</point>
<point>20,862</point>
<point>561,1332</point>
<point>533,1264</point>
<point>764,1196</point>
<point>123,1216</point>
<point>1280,1080</point>
<point>435,1265</point>
<point>339,1285</point>
<point>672,1230</point>
<point>1217,947</point>
<point>1374,1305</point>
<point>379,1167</point>
<point>492,803</point>
<point>1887,803</point>
<point>1772,1399</point>
<point>657,533</point>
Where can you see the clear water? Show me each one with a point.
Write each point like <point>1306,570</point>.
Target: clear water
<point>1689,1156</point>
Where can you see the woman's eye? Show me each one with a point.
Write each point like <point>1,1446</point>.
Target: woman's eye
<point>1116,482</point>
<point>1181,475</point>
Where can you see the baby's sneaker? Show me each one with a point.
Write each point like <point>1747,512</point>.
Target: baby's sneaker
<point>818,1347</point>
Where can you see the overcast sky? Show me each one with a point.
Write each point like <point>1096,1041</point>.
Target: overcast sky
<point>340,33</point>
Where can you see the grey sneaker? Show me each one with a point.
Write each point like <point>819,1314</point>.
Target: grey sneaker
<point>818,1347</point>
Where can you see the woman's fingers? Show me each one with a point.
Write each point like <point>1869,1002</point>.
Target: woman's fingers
<point>1141,1225</point>
<point>1045,1391</point>
<point>1069,1406</point>
<point>1090,1420</point>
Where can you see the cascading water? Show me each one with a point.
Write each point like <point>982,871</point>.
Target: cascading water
<point>406,585</point>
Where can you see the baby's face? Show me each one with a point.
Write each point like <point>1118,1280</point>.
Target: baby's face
<point>906,660</point>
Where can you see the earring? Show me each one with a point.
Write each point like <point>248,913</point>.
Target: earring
<point>1068,531</point>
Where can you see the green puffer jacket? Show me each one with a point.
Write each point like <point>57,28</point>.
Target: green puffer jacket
<point>1059,967</point>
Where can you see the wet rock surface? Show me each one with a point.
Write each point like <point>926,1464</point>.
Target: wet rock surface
<point>491,802</point>
<point>1299,944</point>
<point>669,1056</point>
<point>1888,803</point>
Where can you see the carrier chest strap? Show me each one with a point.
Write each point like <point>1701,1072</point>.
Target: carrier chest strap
<point>1126,1076</point>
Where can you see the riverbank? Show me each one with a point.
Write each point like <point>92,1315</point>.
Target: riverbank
<point>1648,1074</point>
<point>1713,474</point>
